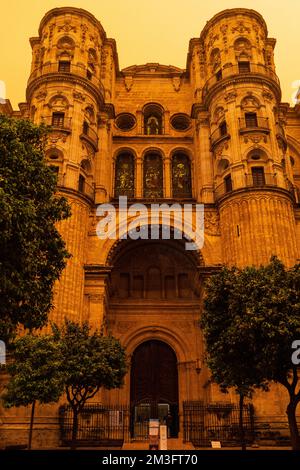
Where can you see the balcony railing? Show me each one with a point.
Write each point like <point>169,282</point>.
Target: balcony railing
<point>266,179</point>
<point>218,136</point>
<point>64,124</point>
<point>280,134</point>
<point>90,135</point>
<point>234,70</point>
<point>252,181</point>
<point>260,123</point>
<point>87,189</point>
<point>78,70</point>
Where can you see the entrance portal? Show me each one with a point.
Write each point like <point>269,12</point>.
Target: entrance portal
<point>154,388</point>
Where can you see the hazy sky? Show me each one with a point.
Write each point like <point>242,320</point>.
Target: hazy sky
<point>145,31</point>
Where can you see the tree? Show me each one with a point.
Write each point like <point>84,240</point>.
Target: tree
<point>35,374</point>
<point>90,361</point>
<point>251,318</point>
<point>32,252</point>
<point>227,341</point>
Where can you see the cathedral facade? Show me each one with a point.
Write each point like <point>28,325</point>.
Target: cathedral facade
<point>215,133</point>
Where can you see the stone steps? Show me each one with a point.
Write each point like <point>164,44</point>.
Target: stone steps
<point>173,444</point>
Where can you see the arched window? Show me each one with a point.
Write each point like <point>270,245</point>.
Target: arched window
<point>181,176</point>
<point>124,175</point>
<point>153,119</point>
<point>153,175</point>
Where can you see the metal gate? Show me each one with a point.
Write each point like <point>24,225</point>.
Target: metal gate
<point>98,425</point>
<point>203,423</point>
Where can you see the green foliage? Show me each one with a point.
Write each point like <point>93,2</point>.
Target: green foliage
<point>251,317</point>
<point>90,361</point>
<point>32,252</point>
<point>35,372</point>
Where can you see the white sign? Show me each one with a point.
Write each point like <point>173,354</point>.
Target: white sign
<point>163,431</point>
<point>216,444</point>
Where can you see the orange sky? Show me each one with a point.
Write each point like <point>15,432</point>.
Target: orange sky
<point>145,31</point>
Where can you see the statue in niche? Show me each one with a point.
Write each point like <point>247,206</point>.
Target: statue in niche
<point>152,126</point>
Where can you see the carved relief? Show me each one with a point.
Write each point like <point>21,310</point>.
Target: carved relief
<point>54,137</point>
<point>224,29</point>
<point>250,101</point>
<point>240,28</point>
<point>79,96</point>
<point>176,83</point>
<point>41,95</point>
<point>215,59</point>
<point>230,96</point>
<point>212,38</point>
<point>84,30</point>
<point>212,223</point>
<point>267,95</point>
<point>67,27</point>
<point>220,149</point>
<point>128,82</point>
<point>255,138</point>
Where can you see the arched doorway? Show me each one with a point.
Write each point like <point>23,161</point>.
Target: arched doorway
<point>154,387</point>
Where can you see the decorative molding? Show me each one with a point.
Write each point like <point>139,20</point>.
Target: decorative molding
<point>54,137</point>
<point>128,82</point>
<point>230,96</point>
<point>240,28</point>
<point>78,96</point>
<point>255,138</point>
<point>67,27</point>
<point>176,81</point>
<point>211,223</point>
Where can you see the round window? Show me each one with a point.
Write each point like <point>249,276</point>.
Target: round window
<point>180,122</point>
<point>125,121</point>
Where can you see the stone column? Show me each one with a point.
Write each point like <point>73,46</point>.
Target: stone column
<point>102,173</point>
<point>167,177</point>
<point>204,159</point>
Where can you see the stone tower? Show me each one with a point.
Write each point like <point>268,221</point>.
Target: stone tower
<point>246,174</point>
<point>70,88</point>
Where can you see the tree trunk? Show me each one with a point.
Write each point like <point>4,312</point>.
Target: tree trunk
<point>291,413</point>
<point>31,425</point>
<point>74,429</point>
<point>241,422</point>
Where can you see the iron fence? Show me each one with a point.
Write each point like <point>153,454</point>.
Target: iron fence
<point>203,423</point>
<point>98,425</point>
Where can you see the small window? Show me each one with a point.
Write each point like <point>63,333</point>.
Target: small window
<point>244,67</point>
<point>258,176</point>
<point>228,184</point>
<point>64,66</point>
<point>223,128</point>
<point>58,119</point>
<point>85,128</point>
<point>219,75</point>
<point>54,168</point>
<point>81,183</point>
<point>251,119</point>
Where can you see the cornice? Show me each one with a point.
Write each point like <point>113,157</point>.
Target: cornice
<point>55,12</point>
<point>254,191</point>
<point>245,78</point>
<point>70,78</point>
<point>233,12</point>
<point>154,140</point>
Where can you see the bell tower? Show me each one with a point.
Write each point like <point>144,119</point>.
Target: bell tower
<point>70,88</point>
<point>244,170</point>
